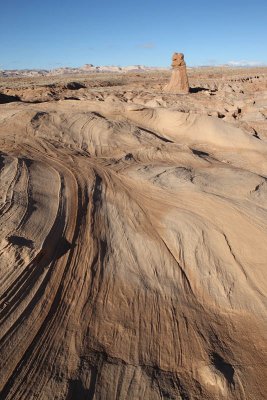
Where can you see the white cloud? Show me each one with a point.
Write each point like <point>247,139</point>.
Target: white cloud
<point>148,45</point>
<point>245,63</point>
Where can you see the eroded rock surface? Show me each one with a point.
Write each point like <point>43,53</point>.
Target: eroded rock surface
<point>133,247</point>
<point>179,81</point>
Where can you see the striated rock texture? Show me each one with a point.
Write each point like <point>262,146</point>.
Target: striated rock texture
<point>133,254</point>
<point>179,81</point>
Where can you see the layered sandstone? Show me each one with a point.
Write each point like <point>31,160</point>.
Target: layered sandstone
<point>133,246</point>
<point>179,80</point>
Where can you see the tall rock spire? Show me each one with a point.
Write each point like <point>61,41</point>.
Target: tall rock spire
<point>179,81</point>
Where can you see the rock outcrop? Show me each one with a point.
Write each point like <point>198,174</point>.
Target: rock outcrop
<point>133,254</point>
<point>179,81</point>
<point>133,231</point>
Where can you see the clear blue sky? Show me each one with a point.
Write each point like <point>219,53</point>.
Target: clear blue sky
<point>53,33</point>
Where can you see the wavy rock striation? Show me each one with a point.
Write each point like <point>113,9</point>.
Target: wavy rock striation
<point>133,254</point>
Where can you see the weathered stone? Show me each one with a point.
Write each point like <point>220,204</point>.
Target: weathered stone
<point>179,81</point>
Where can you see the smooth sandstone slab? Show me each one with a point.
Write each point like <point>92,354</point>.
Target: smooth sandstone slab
<point>133,254</point>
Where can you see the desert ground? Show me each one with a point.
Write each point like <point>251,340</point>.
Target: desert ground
<point>133,233</point>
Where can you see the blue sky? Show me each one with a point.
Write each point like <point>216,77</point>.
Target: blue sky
<point>53,33</point>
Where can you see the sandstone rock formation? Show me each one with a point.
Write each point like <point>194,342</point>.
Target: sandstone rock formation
<point>132,245</point>
<point>179,81</point>
<point>132,263</point>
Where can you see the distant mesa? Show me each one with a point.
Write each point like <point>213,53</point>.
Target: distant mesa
<point>85,69</point>
<point>179,80</point>
<point>88,66</point>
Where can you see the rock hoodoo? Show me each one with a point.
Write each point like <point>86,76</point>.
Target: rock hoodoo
<point>179,80</point>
